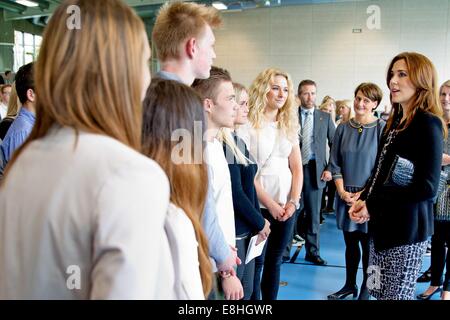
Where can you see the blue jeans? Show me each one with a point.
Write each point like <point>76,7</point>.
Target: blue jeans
<point>271,258</point>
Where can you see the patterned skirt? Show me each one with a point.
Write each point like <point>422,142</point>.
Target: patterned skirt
<point>392,273</point>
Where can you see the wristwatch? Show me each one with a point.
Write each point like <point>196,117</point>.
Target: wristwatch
<point>295,203</point>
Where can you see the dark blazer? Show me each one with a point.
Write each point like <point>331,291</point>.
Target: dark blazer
<point>404,215</point>
<point>247,215</point>
<point>324,129</point>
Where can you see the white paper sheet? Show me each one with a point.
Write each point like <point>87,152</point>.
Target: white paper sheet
<point>254,250</point>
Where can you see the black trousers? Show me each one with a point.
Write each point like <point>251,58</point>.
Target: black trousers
<point>353,256</point>
<point>271,258</point>
<point>439,257</point>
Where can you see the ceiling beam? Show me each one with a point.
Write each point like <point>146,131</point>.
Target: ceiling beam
<point>145,8</point>
<point>31,12</point>
<point>46,8</point>
<point>13,6</point>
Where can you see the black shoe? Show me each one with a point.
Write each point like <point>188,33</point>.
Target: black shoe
<point>343,293</point>
<point>316,260</point>
<point>425,277</point>
<point>286,258</point>
<point>364,294</point>
<point>424,296</point>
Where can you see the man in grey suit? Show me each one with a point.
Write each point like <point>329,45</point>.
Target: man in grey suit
<point>316,128</point>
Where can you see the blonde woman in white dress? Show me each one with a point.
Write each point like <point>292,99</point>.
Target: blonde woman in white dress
<point>272,137</point>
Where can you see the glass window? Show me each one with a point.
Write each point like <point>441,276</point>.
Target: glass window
<point>26,48</point>
<point>18,57</point>
<point>29,54</point>
<point>38,40</point>
<point>37,43</point>
<point>18,38</point>
<point>29,39</point>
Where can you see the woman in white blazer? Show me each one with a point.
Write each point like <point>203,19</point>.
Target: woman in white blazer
<point>81,210</point>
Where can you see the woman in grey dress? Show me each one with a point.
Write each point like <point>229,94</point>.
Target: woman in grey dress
<point>353,156</point>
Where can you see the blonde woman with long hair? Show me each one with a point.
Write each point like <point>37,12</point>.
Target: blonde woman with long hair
<point>329,106</point>
<point>14,104</point>
<point>5,93</point>
<point>91,225</point>
<point>344,110</point>
<point>272,137</point>
<point>13,109</point>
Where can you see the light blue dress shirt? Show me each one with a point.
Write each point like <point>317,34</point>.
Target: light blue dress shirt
<point>17,134</point>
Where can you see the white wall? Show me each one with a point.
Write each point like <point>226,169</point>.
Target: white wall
<point>317,42</point>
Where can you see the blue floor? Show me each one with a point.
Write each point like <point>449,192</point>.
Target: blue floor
<point>306,281</point>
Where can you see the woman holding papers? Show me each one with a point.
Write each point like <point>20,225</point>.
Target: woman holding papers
<point>272,138</point>
<point>247,214</point>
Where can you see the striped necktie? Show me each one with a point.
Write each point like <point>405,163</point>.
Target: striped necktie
<point>307,137</point>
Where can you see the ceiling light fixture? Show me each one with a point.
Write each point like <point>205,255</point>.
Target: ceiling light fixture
<point>219,5</point>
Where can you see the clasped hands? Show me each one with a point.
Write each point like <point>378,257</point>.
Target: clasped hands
<point>358,212</point>
<point>280,212</point>
<point>349,198</point>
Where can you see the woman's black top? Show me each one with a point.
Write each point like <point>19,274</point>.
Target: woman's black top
<point>247,214</point>
<point>404,215</point>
